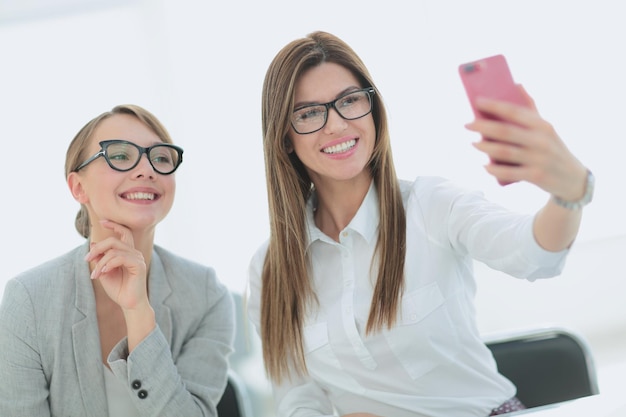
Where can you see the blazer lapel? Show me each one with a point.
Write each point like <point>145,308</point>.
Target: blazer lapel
<point>158,291</point>
<point>86,342</point>
<point>86,338</point>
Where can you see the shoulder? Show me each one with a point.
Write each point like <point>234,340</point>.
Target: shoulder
<point>173,261</point>
<point>429,190</point>
<point>47,290</point>
<point>428,184</point>
<point>187,277</point>
<point>258,258</point>
<point>52,274</point>
<point>255,272</point>
<point>192,292</point>
<point>434,204</point>
<point>255,268</point>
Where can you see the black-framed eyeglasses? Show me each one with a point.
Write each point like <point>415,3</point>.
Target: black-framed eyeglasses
<point>350,106</point>
<point>122,155</point>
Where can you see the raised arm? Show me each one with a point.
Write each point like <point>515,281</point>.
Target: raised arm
<point>532,151</point>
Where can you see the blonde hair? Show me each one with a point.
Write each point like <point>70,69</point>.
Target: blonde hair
<point>77,150</point>
<point>287,292</point>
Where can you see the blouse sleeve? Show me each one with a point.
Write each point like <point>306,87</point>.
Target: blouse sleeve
<point>471,225</point>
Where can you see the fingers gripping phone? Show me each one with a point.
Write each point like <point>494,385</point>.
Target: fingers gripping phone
<point>491,78</point>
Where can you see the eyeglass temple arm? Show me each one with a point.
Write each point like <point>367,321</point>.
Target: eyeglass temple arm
<point>87,162</point>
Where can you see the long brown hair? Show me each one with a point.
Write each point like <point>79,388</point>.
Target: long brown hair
<point>287,293</point>
<point>76,151</point>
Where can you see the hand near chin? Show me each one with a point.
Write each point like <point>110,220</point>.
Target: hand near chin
<point>120,267</point>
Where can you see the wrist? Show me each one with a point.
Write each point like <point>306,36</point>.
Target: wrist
<point>139,324</point>
<point>581,202</point>
<point>141,315</point>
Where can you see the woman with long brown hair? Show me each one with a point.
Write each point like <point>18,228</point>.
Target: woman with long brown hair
<point>363,294</point>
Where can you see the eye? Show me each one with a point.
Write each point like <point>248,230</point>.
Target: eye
<point>162,156</point>
<point>118,155</point>
<point>307,113</point>
<point>350,99</point>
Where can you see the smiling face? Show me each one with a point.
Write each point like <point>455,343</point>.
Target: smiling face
<point>341,150</point>
<point>138,199</point>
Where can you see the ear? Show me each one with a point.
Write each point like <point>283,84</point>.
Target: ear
<point>288,145</point>
<point>76,188</point>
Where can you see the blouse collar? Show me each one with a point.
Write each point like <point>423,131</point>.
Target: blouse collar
<point>365,221</point>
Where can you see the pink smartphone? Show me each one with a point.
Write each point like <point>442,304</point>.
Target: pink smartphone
<point>490,77</point>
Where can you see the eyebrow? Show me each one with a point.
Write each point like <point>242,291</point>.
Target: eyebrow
<point>343,92</point>
<point>158,142</point>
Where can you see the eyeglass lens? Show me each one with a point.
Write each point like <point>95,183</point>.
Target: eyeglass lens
<point>352,106</point>
<point>124,156</point>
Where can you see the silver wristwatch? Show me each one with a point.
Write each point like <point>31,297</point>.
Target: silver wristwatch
<point>586,198</point>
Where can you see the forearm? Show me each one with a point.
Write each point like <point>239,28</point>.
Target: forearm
<point>556,227</point>
<point>557,223</point>
<point>140,323</point>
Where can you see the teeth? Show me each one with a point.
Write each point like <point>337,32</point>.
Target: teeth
<point>342,147</point>
<point>140,196</point>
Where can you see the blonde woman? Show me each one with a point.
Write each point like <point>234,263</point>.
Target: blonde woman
<point>117,327</point>
<point>363,294</point>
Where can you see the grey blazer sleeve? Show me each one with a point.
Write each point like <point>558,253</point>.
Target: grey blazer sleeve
<point>23,386</point>
<point>188,384</point>
<point>180,369</point>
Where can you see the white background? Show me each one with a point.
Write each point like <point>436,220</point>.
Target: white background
<point>199,66</point>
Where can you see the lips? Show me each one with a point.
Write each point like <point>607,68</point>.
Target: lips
<point>340,147</point>
<point>140,196</point>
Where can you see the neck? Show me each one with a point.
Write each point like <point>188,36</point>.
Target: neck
<point>338,203</point>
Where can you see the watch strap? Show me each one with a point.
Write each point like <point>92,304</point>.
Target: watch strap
<point>586,198</point>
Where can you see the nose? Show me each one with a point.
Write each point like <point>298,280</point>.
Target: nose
<point>334,122</point>
<point>144,168</point>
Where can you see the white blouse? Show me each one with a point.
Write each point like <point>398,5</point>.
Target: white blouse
<point>118,396</point>
<point>433,361</point>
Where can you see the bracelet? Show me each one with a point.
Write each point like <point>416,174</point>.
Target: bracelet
<point>586,198</point>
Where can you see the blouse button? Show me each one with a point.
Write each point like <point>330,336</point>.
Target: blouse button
<point>142,394</point>
<point>136,384</point>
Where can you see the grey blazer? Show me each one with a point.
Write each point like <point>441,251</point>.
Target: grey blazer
<point>50,359</point>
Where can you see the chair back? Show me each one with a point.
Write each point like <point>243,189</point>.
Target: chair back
<point>547,365</point>
<point>235,401</point>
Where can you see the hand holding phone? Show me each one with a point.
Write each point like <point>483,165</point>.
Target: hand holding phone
<point>490,78</point>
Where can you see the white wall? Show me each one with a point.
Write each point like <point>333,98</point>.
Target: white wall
<point>199,66</point>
